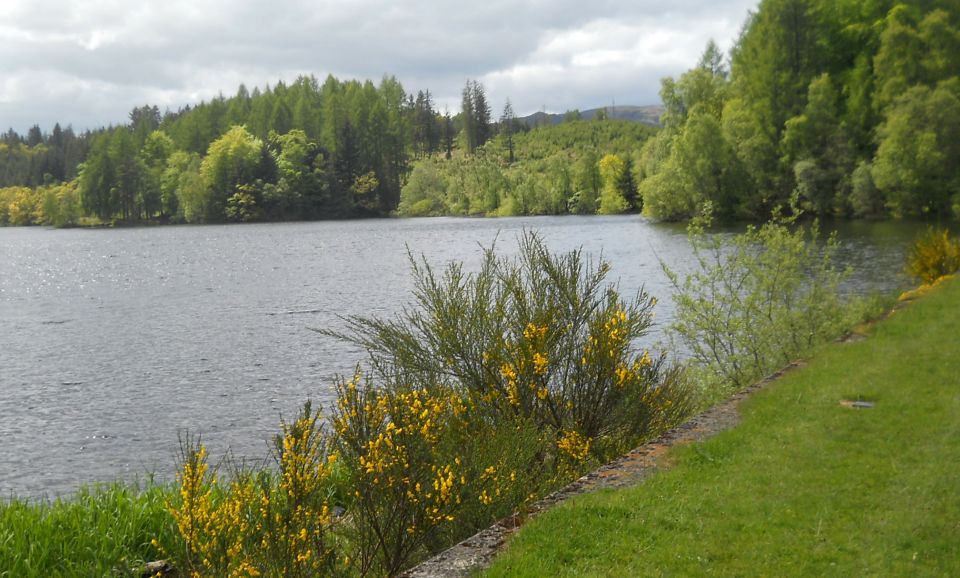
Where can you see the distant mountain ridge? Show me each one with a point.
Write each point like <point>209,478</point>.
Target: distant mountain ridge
<point>649,114</point>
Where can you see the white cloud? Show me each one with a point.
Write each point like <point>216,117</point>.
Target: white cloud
<point>88,62</point>
<point>605,60</point>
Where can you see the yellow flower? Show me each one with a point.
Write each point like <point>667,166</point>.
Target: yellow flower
<point>574,444</point>
<point>508,372</point>
<point>534,332</point>
<point>540,363</point>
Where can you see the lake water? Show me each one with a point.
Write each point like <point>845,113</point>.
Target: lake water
<point>113,341</point>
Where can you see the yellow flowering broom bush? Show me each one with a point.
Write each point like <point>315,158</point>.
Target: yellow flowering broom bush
<point>538,337</point>
<point>260,523</point>
<point>934,255</point>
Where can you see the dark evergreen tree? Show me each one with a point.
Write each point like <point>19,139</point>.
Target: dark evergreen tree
<point>627,186</point>
<point>34,136</point>
<point>481,113</point>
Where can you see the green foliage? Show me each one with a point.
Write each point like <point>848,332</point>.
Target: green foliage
<point>816,145</point>
<point>815,90</point>
<point>547,171</point>
<point>330,150</point>
<point>242,205</point>
<point>865,199</point>
<point>586,185</point>
<point>53,204</point>
<point>127,170</point>
<point>231,165</point>
<point>691,162</point>
<point>41,158</point>
<point>919,142</point>
<point>612,200</point>
<point>19,206</point>
<point>102,530</point>
<point>423,191</point>
<point>156,151</point>
<point>61,206</point>
<point>758,301</point>
<point>700,167</point>
<point>474,116</point>
<point>934,255</point>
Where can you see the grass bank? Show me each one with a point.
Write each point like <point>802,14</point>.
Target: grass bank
<point>102,530</point>
<point>804,486</point>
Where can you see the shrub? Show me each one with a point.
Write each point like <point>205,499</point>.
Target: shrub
<point>934,255</point>
<point>757,302</point>
<point>540,337</point>
<point>259,523</point>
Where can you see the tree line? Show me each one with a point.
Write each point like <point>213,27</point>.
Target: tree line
<point>307,150</point>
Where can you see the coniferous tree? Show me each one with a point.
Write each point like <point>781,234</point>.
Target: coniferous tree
<point>481,112</point>
<point>34,136</point>
<point>507,127</point>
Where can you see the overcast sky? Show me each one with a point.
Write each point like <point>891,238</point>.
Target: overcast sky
<point>87,63</point>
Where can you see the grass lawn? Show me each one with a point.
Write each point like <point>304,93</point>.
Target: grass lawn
<point>803,486</point>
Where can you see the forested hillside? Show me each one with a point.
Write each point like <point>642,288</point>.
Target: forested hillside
<point>580,167</point>
<point>313,151</point>
<point>303,151</point>
<point>845,107</point>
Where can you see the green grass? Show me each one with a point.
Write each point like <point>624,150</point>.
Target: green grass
<point>803,487</point>
<point>103,530</point>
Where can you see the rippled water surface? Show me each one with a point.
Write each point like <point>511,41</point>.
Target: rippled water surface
<point>113,341</point>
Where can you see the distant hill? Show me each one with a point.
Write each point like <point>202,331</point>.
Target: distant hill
<point>649,114</point>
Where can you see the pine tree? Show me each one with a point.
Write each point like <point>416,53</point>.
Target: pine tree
<point>507,121</point>
<point>481,113</point>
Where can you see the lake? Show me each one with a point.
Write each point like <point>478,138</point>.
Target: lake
<point>113,341</point>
